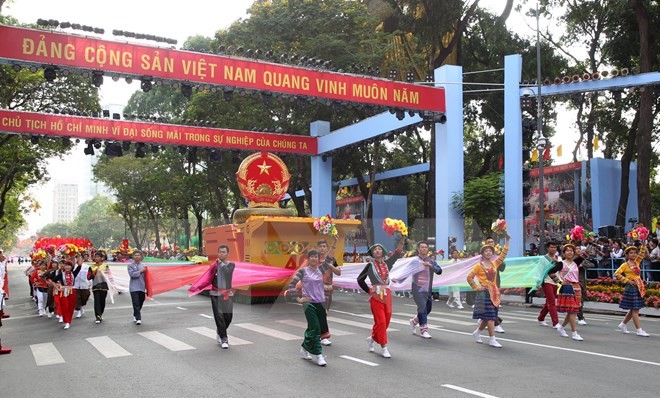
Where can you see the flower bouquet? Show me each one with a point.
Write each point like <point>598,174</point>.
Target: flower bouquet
<point>326,226</point>
<point>441,254</point>
<point>499,227</point>
<point>640,233</point>
<point>68,249</point>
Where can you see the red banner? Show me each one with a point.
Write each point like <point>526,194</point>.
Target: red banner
<point>65,50</point>
<point>556,169</point>
<point>165,134</point>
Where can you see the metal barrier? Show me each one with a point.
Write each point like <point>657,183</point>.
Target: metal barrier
<point>648,274</point>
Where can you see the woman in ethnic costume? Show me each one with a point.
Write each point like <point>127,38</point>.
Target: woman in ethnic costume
<point>380,298</point>
<point>633,297</point>
<point>570,293</point>
<point>487,302</point>
<point>313,301</point>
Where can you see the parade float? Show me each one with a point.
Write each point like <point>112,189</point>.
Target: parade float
<point>265,234</point>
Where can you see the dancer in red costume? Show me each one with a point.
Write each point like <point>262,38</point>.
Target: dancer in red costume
<point>65,285</point>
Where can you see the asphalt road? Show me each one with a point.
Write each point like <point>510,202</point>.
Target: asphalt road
<point>174,353</point>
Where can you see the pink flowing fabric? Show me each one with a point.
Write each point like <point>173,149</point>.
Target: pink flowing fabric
<point>245,274</point>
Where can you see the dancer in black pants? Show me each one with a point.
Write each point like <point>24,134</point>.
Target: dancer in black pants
<point>222,295</point>
<point>100,286</point>
<point>137,286</point>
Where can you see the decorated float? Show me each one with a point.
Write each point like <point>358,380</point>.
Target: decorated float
<point>265,234</point>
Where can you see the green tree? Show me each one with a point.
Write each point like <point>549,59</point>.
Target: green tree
<point>97,221</point>
<point>54,229</point>
<point>481,200</point>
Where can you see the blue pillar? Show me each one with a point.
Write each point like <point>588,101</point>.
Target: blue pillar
<point>513,198</point>
<point>449,158</point>
<point>322,199</point>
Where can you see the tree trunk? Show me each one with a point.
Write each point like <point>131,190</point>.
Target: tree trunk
<point>646,56</point>
<point>186,228</point>
<point>200,226</point>
<point>625,172</point>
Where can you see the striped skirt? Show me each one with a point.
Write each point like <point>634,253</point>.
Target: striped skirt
<point>569,299</point>
<point>631,299</point>
<point>483,307</point>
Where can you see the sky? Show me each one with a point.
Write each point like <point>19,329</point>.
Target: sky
<point>198,17</point>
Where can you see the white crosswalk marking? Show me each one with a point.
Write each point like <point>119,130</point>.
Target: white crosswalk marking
<point>206,316</point>
<point>107,347</point>
<point>166,341</point>
<point>356,324</point>
<point>358,360</point>
<point>452,321</point>
<point>303,325</point>
<point>268,331</point>
<point>210,333</point>
<point>46,354</point>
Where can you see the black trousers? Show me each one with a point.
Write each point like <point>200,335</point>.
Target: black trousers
<point>138,299</point>
<point>223,311</point>
<point>99,302</point>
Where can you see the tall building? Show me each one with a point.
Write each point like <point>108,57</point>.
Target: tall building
<point>65,202</point>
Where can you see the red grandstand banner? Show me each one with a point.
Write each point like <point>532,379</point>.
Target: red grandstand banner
<point>65,50</point>
<point>562,168</point>
<point>164,134</point>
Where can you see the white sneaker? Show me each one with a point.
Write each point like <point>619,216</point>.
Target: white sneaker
<point>477,336</point>
<point>499,329</point>
<point>459,306</point>
<point>562,331</point>
<point>97,321</point>
<point>426,335</point>
<point>320,360</point>
<point>370,343</point>
<point>41,313</point>
<point>138,322</point>
<point>218,339</point>
<point>304,354</point>
<point>557,326</point>
<point>60,319</point>
<point>78,314</point>
<point>134,319</point>
<point>66,326</point>
<point>543,323</point>
<point>49,314</point>
<point>623,328</point>
<point>224,345</point>
<point>386,353</point>
<point>642,333</point>
<point>326,342</point>
<point>576,336</point>
<point>582,322</point>
<point>413,326</point>
<point>493,343</point>
<point>450,305</point>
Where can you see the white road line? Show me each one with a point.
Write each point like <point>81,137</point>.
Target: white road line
<point>107,347</point>
<point>357,324</point>
<point>46,354</point>
<point>303,325</point>
<point>268,331</point>
<point>206,316</point>
<point>597,354</point>
<point>465,390</point>
<point>166,341</point>
<point>208,332</point>
<point>181,308</point>
<point>362,361</point>
<point>435,318</point>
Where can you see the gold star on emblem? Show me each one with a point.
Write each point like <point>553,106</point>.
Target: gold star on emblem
<point>264,168</point>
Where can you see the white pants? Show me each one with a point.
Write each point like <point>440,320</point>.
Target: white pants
<point>41,299</point>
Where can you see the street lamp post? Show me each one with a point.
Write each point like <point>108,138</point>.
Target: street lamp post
<point>541,143</point>
<point>539,128</point>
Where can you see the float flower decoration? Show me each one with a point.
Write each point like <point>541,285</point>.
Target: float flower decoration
<point>326,226</point>
<point>577,233</point>
<point>38,255</point>
<point>441,253</point>
<point>68,249</point>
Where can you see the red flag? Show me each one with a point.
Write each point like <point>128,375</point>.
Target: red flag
<point>500,163</point>
<point>546,154</point>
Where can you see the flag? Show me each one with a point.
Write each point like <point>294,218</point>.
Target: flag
<point>559,149</point>
<point>535,155</point>
<point>500,163</point>
<point>596,143</point>
<point>546,154</point>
